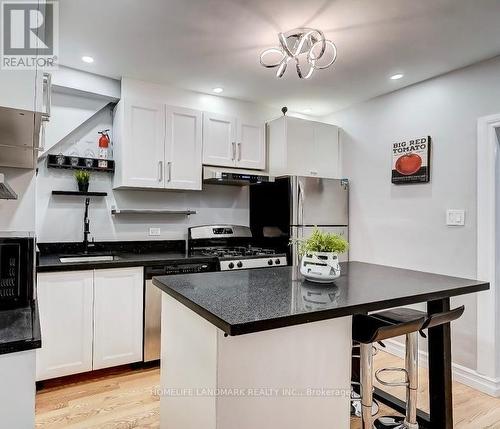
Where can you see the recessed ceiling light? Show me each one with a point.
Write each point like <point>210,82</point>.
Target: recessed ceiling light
<point>397,76</point>
<point>306,111</point>
<point>218,90</point>
<point>87,59</point>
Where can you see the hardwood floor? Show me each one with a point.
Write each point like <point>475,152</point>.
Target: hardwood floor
<point>117,399</point>
<point>122,398</point>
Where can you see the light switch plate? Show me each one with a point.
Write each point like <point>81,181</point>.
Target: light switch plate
<point>154,232</point>
<point>455,217</point>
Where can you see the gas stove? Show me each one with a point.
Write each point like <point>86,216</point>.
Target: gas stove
<point>232,246</point>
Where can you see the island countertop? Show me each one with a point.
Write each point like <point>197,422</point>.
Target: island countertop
<point>246,301</point>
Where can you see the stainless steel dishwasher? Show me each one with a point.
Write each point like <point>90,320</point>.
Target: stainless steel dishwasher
<point>152,300</point>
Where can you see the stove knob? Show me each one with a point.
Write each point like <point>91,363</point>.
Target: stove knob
<point>239,264</point>
<point>231,265</point>
<point>277,262</point>
<point>270,262</point>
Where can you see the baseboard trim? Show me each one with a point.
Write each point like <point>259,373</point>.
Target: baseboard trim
<point>462,374</point>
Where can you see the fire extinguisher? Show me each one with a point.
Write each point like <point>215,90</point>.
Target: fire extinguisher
<point>103,149</point>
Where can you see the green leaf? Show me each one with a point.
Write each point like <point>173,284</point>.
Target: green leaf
<point>82,176</point>
<point>321,242</point>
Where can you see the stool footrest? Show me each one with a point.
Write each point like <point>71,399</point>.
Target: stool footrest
<point>357,346</point>
<point>390,383</point>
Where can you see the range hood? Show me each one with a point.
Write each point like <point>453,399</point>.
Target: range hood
<point>6,192</point>
<point>235,177</point>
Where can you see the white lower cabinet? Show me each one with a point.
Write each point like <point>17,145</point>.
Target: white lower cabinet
<point>118,298</point>
<point>89,320</point>
<point>65,302</point>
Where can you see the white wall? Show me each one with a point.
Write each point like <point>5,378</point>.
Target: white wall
<point>404,226</point>
<point>19,215</point>
<point>61,218</point>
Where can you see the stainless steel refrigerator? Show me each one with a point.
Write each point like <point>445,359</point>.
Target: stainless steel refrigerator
<point>292,206</point>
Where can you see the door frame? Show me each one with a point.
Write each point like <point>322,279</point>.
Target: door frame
<point>488,250</point>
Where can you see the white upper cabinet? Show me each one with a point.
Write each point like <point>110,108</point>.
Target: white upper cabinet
<point>24,109</point>
<point>157,146</point>
<point>118,304</point>
<point>139,144</point>
<point>233,142</point>
<point>219,139</point>
<point>183,147</point>
<point>303,148</point>
<point>21,89</point>
<point>251,146</point>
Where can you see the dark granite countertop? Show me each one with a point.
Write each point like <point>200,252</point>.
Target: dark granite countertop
<point>127,254</point>
<point>48,263</point>
<point>19,329</point>
<point>241,302</point>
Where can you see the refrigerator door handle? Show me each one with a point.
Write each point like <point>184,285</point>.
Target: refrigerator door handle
<point>300,214</point>
<point>296,233</point>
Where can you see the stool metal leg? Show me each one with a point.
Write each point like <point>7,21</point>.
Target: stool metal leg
<point>411,367</point>
<point>412,388</point>
<point>366,386</point>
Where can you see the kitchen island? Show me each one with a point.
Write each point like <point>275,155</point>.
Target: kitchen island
<point>263,348</point>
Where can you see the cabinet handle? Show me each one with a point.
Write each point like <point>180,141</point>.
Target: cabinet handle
<point>160,171</point>
<point>47,81</point>
<point>170,171</point>
<point>239,151</point>
<point>234,151</point>
<point>41,140</point>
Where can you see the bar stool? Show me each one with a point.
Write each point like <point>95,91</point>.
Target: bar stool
<point>355,396</point>
<point>396,317</point>
<point>368,330</point>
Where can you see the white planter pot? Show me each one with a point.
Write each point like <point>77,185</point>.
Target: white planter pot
<point>320,267</point>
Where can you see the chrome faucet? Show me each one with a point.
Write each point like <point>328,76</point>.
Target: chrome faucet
<point>86,226</point>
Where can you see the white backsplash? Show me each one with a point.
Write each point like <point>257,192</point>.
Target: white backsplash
<point>60,218</point>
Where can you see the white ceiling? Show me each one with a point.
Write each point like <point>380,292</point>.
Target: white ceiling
<point>201,44</point>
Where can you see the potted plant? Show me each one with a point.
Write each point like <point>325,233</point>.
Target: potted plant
<point>320,256</point>
<point>82,178</point>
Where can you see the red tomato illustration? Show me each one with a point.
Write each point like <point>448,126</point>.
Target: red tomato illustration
<point>408,164</point>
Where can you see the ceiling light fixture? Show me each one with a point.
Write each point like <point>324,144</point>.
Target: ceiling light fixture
<point>87,59</point>
<point>307,47</point>
<point>218,90</point>
<point>397,76</point>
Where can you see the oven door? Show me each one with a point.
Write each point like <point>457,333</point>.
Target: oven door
<point>17,271</point>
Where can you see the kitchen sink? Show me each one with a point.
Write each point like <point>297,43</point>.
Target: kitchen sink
<point>87,258</point>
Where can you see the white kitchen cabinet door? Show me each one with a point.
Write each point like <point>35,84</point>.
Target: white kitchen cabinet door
<point>326,143</point>
<point>300,147</point>
<point>65,301</point>
<point>219,139</point>
<point>139,144</point>
<point>251,146</point>
<point>183,149</point>
<point>21,89</point>
<point>118,315</point>
<point>303,148</point>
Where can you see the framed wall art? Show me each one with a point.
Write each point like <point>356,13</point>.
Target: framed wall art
<point>411,161</point>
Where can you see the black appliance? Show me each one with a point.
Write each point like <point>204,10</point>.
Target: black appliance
<point>17,269</point>
<point>291,207</point>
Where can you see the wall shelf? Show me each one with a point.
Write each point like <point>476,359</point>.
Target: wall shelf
<point>115,211</point>
<point>81,165</point>
<point>80,194</point>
